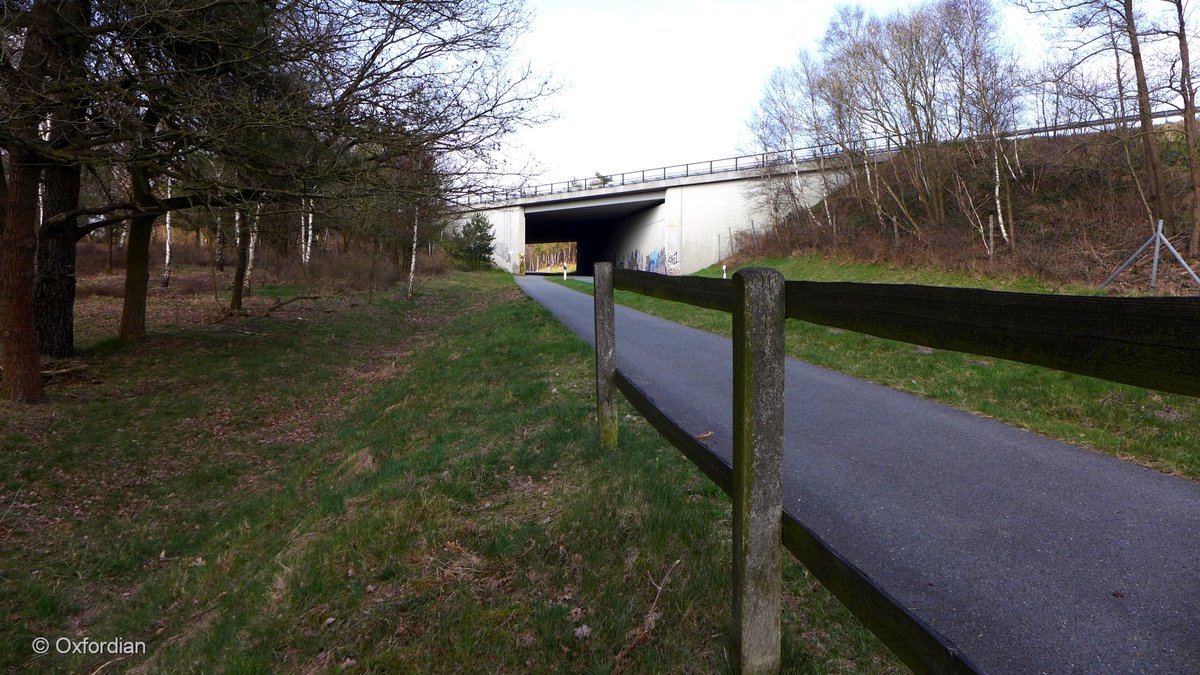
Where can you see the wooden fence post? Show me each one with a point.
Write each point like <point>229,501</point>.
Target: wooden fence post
<point>606,356</point>
<point>758,361</point>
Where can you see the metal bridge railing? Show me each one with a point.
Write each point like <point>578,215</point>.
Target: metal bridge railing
<point>765,160</point>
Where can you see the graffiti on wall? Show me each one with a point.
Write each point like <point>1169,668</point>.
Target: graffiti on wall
<point>658,261</point>
<point>655,262</point>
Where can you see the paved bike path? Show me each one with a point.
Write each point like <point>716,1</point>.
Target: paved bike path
<point>1031,555</point>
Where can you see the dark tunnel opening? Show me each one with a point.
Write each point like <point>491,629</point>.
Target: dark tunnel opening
<point>597,226</point>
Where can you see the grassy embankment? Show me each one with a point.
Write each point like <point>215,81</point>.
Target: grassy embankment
<point>1155,429</point>
<point>372,485</point>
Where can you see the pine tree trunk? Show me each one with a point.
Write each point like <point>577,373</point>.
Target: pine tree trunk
<point>54,285</point>
<point>22,377</point>
<point>54,289</point>
<point>54,293</point>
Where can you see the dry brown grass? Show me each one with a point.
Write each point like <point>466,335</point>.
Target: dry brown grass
<point>1077,212</point>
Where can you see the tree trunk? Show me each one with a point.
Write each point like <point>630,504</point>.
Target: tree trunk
<point>54,290</point>
<point>243,255</point>
<point>219,245</point>
<point>137,257</point>
<point>54,285</point>
<point>137,276</point>
<point>22,377</point>
<point>1188,94</point>
<point>412,268</point>
<point>166,272</point>
<point>54,293</point>
<point>308,241</point>
<point>1158,196</point>
<point>250,250</point>
<point>44,62</point>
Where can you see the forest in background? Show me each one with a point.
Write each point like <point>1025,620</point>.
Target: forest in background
<point>312,128</point>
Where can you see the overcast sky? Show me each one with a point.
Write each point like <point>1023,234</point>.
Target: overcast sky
<point>650,83</point>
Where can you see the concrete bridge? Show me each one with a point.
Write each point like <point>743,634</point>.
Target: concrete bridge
<point>674,220</point>
<point>682,218</point>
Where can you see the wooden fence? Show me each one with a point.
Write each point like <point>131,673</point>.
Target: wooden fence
<point>1149,342</point>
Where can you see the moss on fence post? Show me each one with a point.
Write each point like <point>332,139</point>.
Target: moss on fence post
<point>758,361</point>
<point>606,356</point>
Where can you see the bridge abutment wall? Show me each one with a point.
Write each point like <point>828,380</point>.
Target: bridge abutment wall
<point>671,227</point>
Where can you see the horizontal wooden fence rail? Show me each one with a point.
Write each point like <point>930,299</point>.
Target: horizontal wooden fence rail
<point>699,291</point>
<point>918,645</point>
<point>1148,342</point>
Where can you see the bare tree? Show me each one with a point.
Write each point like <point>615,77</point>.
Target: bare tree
<point>1098,26</point>
<point>303,92</point>
<point>37,65</point>
<point>790,124</point>
<point>909,83</point>
<point>1184,86</point>
<point>987,82</point>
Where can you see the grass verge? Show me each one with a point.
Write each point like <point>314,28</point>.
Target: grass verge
<point>385,486</point>
<point>1158,430</point>
<point>812,267</point>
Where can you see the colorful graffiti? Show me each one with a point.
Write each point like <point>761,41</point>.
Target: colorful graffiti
<point>657,261</point>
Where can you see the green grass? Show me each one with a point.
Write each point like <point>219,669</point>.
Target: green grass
<point>1158,430</point>
<point>401,487</point>
<point>813,267</point>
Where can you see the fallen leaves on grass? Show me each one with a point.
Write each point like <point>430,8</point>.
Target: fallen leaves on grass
<point>1169,414</point>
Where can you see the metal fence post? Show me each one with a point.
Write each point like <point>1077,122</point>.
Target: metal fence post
<point>606,356</point>
<point>758,362</point>
<point>1158,239</point>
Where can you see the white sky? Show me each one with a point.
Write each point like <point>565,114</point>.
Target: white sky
<point>651,83</point>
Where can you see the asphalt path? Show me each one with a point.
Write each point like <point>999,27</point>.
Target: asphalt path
<point>1031,555</point>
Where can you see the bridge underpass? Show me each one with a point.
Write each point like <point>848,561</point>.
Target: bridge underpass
<point>675,225</point>
<point>600,228</point>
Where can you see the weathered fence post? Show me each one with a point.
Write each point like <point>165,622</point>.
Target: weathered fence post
<point>606,356</point>
<point>758,317</point>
